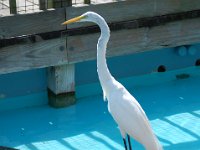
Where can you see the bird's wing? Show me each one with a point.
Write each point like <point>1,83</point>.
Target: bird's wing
<point>129,115</point>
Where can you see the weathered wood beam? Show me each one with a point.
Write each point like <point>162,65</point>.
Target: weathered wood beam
<point>26,24</point>
<point>83,47</point>
<point>32,55</point>
<point>133,9</point>
<point>130,24</point>
<point>137,23</point>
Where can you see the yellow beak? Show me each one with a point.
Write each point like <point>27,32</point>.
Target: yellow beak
<point>73,20</point>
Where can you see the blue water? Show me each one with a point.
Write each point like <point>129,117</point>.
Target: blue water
<point>172,105</point>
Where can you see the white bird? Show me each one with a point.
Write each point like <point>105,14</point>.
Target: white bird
<point>124,108</point>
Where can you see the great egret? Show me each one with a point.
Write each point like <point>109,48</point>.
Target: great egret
<point>123,107</point>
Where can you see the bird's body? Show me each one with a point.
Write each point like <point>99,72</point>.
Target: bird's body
<point>137,126</point>
<point>123,107</point>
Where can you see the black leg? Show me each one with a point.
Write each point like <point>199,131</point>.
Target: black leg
<point>125,145</point>
<point>129,143</point>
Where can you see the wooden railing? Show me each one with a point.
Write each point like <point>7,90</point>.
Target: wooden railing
<point>38,40</point>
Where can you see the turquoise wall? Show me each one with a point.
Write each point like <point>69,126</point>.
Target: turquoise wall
<point>137,64</point>
<point>34,82</point>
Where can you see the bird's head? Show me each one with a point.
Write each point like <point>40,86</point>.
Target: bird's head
<point>86,17</point>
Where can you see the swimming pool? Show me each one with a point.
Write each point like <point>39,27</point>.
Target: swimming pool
<point>171,101</point>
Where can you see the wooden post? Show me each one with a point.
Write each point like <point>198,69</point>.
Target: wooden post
<point>87,1</point>
<point>43,4</point>
<point>61,85</point>
<point>61,79</point>
<point>13,6</point>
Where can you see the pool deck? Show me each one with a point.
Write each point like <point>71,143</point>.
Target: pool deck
<point>173,108</point>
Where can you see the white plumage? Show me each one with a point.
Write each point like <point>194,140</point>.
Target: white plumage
<point>130,117</point>
<point>123,107</point>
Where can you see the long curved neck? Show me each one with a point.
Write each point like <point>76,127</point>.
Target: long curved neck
<point>102,69</point>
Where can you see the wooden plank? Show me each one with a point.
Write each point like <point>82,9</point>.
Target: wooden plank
<point>122,42</point>
<point>40,22</point>
<point>133,9</point>
<point>33,55</point>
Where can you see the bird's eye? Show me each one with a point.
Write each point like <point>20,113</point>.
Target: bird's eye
<point>85,17</point>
